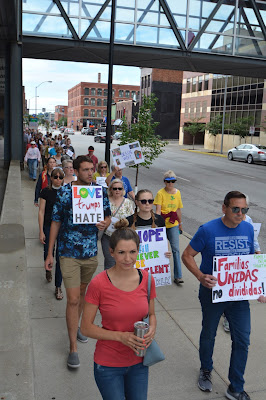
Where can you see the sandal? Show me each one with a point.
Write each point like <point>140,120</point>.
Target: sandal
<point>58,293</point>
<point>49,276</point>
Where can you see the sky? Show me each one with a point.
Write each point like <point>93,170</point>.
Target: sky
<point>64,75</point>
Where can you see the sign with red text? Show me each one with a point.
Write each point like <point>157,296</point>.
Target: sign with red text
<point>87,204</point>
<point>239,277</point>
<point>151,257</point>
<point>127,155</point>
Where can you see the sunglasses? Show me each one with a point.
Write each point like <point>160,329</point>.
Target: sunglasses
<point>104,166</point>
<point>117,188</point>
<point>58,177</point>
<point>144,201</point>
<point>173,181</point>
<point>235,210</point>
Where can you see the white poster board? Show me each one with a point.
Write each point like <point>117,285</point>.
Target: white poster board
<point>100,180</point>
<point>239,277</point>
<point>127,155</point>
<point>87,204</point>
<point>151,258</point>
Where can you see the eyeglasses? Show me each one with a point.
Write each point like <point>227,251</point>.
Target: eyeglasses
<point>173,181</point>
<point>103,166</point>
<point>58,177</point>
<point>68,168</point>
<point>235,210</point>
<point>144,201</point>
<point>117,188</point>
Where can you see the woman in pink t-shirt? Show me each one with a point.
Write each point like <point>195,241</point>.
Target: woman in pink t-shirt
<point>120,293</point>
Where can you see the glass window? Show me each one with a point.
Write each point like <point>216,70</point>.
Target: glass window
<point>188,85</point>
<point>99,102</point>
<point>99,113</point>
<point>206,82</point>
<point>86,112</point>
<point>105,92</point>
<point>149,80</point>
<point>86,102</point>
<point>142,83</point>
<point>86,91</point>
<point>200,83</point>
<point>93,91</point>
<point>99,92</point>
<point>121,93</point>
<point>92,102</point>
<point>105,102</point>
<point>145,79</point>
<point>127,94</point>
<point>133,93</point>
<point>92,113</point>
<point>105,113</point>
<point>113,92</point>
<point>194,84</point>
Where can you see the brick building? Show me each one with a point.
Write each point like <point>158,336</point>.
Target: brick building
<point>203,99</point>
<point>87,102</point>
<point>128,109</point>
<point>60,111</point>
<point>167,87</point>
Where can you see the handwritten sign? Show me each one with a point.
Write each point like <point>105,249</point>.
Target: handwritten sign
<point>87,204</point>
<point>151,258</point>
<point>239,277</point>
<point>127,155</point>
<point>100,180</point>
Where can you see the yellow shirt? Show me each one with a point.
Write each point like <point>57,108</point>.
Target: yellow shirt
<point>168,202</point>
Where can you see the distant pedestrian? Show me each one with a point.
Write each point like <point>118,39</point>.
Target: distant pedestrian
<point>93,157</point>
<point>69,149</point>
<point>168,204</point>
<point>68,169</point>
<point>32,157</point>
<point>44,179</point>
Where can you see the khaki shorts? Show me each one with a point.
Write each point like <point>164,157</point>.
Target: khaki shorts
<point>76,271</point>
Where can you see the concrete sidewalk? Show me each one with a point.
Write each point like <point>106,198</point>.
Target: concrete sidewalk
<point>44,374</point>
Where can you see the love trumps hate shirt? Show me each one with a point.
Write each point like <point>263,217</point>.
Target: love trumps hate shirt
<point>75,240</point>
<point>215,239</point>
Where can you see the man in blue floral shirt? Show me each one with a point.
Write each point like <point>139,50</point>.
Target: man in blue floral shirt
<point>77,246</point>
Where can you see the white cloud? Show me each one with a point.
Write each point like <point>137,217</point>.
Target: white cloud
<point>64,75</point>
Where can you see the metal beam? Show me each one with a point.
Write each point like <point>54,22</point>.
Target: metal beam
<point>204,26</point>
<point>250,31</point>
<point>141,18</point>
<point>37,27</point>
<point>93,22</point>
<point>221,30</point>
<point>97,32</point>
<point>67,20</point>
<point>259,17</point>
<point>172,23</point>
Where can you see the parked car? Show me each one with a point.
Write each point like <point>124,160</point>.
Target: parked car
<point>69,131</point>
<point>62,128</point>
<point>248,152</point>
<point>101,137</point>
<point>84,131</point>
<point>117,135</point>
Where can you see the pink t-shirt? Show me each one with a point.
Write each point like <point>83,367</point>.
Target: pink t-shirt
<point>119,311</point>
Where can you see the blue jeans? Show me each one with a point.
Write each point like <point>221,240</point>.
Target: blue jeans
<point>120,383</point>
<point>238,315</point>
<point>173,237</point>
<point>58,275</point>
<point>32,164</point>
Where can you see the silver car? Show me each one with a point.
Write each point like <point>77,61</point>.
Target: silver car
<point>248,153</point>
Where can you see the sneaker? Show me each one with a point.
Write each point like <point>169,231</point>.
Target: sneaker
<point>204,382</point>
<point>236,396</point>
<point>178,281</point>
<point>81,338</point>
<point>73,360</point>
<point>226,325</point>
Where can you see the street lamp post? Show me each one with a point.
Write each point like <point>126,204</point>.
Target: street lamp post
<point>30,100</point>
<point>38,96</point>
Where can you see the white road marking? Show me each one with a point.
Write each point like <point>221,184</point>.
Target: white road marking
<point>183,179</point>
<point>235,173</point>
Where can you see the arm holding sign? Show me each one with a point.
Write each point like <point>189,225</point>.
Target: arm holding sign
<point>209,281</point>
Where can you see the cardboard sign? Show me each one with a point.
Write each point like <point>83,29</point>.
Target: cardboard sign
<point>87,204</point>
<point>151,258</point>
<point>127,155</point>
<point>239,277</point>
<point>69,153</point>
<point>100,180</point>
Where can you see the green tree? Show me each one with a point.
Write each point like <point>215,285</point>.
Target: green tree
<point>62,121</point>
<point>215,127</point>
<point>144,131</point>
<point>194,127</point>
<point>241,127</point>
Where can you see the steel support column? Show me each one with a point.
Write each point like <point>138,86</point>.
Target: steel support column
<point>16,115</point>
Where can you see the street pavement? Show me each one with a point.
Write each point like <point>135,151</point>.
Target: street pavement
<point>34,343</point>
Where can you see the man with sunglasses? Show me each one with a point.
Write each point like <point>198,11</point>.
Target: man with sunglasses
<point>226,236</point>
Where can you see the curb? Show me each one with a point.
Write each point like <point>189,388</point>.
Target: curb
<point>205,152</point>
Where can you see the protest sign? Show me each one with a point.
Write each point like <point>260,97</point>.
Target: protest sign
<point>100,180</point>
<point>239,277</point>
<point>87,204</point>
<point>151,258</point>
<point>127,155</point>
